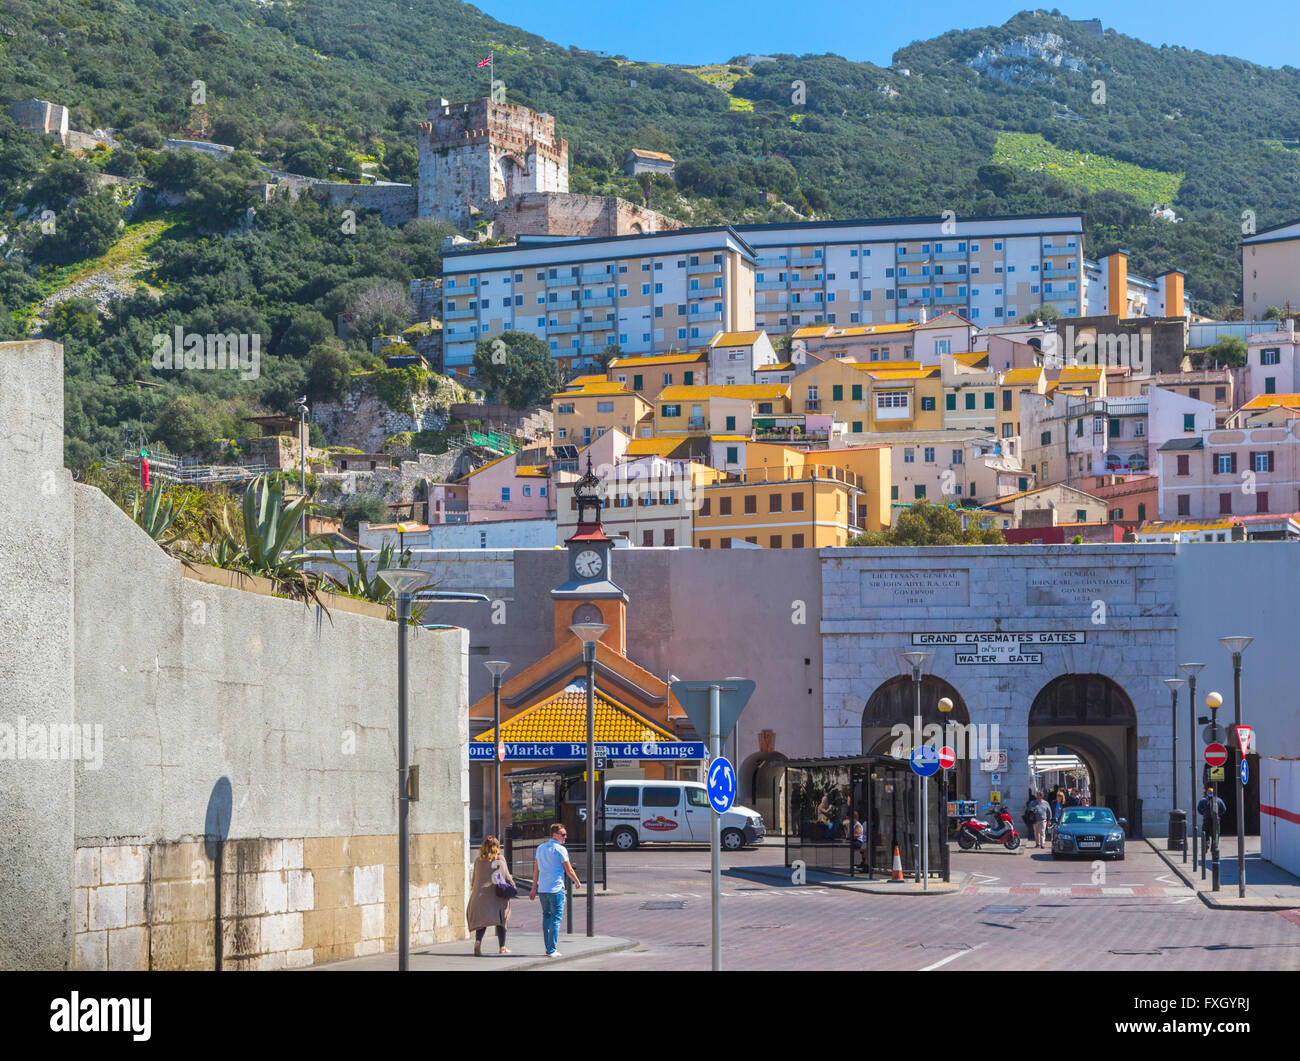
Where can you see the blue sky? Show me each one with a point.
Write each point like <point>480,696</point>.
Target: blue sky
<point>688,31</point>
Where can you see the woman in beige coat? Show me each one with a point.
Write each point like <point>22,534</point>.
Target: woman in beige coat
<point>486,907</point>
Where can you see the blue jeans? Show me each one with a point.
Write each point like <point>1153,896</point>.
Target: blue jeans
<point>552,912</point>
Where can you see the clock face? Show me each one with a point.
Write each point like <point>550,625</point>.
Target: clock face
<point>588,563</point>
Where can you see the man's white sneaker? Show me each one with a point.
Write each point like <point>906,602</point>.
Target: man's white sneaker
<point>554,954</point>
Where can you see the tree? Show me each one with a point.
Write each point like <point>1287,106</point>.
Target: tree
<point>517,368</point>
<point>330,373</point>
<point>187,424</point>
<point>1230,350</point>
<point>1047,313</point>
<point>382,308</point>
<point>360,507</point>
<point>927,524</point>
<point>220,201</point>
<point>85,230</point>
<point>124,163</point>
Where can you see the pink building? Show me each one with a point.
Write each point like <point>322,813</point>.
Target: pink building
<point>1231,472</point>
<point>517,486</point>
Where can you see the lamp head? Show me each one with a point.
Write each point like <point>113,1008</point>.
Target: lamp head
<point>588,633</point>
<point>945,705</point>
<point>1213,701</point>
<point>916,659</point>
<point>1235,645</point>
<point>498,667</point>
<point>401,579</point>
<point>1175,684</point>
<point>1191,669</point>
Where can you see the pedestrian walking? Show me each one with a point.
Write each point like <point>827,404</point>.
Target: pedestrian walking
<point>490,891</point>
<point>1041,811</point>
<point>550,866</point>
<point>1059,805</point>
<point>1203,808</point>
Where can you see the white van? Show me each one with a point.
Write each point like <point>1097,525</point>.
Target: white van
<point>660,812</point>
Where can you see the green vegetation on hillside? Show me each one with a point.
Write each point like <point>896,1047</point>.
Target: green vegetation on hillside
<point>1029,151</point>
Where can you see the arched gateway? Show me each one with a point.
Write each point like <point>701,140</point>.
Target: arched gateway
<point>1092,716</point>
<point>894,703</point>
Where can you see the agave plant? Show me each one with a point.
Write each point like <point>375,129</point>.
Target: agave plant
<point>155,516</point>
<point>360,583</point>
<point>265,548</point>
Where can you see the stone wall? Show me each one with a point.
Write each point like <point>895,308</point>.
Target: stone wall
<point>396,203</point>
<point>569,214</point>
<point>206,775</point>
<point>362,420</point>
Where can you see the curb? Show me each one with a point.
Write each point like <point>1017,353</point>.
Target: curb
<point>877,887</point>
<point>607,948</point>
<point>1219,901</point>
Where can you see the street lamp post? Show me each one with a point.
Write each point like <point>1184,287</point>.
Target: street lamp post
<point>589,634</point>
<point>498,667</point>
<point>1191,670</point>
<point>945,706</point>
<point>1213,701</point>
<point>402,579</point>
<point>1174,685</point>
<point>917,661</point>
<point>302,461</point>
<point>1238,645</point>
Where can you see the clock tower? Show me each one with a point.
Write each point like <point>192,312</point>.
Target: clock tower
<point>589,594</point>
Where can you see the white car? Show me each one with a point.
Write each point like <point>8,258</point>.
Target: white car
<point>662,812</point>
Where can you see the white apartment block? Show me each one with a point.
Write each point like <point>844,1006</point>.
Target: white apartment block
<point>1111,290</point>
<point>1270,270</point>
<point>645,294</point>
<point>990,270</point>
<point>660,292</point>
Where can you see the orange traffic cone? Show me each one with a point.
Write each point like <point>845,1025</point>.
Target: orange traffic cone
<point>898,866</point>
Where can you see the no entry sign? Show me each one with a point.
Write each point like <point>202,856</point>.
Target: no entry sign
<point>947,758</point>
<point>1216,754</point>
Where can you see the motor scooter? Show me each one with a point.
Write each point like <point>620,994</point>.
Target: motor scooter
<point>973,833</point>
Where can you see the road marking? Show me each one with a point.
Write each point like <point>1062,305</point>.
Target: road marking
<point>955,954</point>
<point>987,879</point>
<point>1167,880</point>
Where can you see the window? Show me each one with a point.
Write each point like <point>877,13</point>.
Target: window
<point>1220,394</point>
<point>528,491</point>
<point>670,411</point>
<point>688,378</point>
<point>950,402</point>
<point>704,543</point>
<point>909,455</point>
<point>1142,512</point>
<point>1224,463</point>
<point>927,405</point>
<point>705,506</point>
<point>1184,464</point>
<point>856,392</point>
<point>724,543</point>
<point>988,399</point>
<point>1262,462</point>
<point>970,400</point>
<point>566,409</point>
<point>956,456</point>
<point>1113,428</point>
<point>857,427</point>
<point>796,541</point>
<point>1261,501</point>
<point>774,503</point>
<point>724,506</point>
<point>670,537</point>
<point>636,383</point>
<point>1271,356</point>
<point>837,392</point>
<point>1189,421</point>
<point>1270,384</point>
<point>1139,428</point>
<point>1045,439</point>
<point>505,493</point>
<point>1184,504</point>
<point>918,491</point>
<point>562,432</point>
<point>796,501</point>
<point>1225,504</point>
<point>928,455</point>
<point>604,407</point>
<point>733,454</point>
<point>751,504</point>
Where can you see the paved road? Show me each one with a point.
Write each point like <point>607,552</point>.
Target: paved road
<point>1019,911</point>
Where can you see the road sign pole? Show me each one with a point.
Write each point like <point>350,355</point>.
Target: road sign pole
<point>715,833</point>
<point>1241,788</point>
<point>925,834</point>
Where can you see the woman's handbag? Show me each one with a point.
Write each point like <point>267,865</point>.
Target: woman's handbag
<point>505,890</point>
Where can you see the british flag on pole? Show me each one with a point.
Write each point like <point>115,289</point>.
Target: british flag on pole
<point>487,61</point>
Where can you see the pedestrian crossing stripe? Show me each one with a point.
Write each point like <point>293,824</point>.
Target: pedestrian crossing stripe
<point>1079,890</point>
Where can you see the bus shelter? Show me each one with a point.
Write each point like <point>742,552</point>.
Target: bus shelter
<point>828,799</point>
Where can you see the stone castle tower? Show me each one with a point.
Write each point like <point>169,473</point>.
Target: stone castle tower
<point>476,154</point>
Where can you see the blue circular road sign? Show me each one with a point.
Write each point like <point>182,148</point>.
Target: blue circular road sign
<point>722,785</point>
<point>925,760</point>
<point>1245,772</point>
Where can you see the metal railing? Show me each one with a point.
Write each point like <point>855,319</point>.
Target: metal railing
<point>163,465</point>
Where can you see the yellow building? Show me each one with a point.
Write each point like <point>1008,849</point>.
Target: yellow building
<point>717,409</point>
<point>591,405</point>
<point>1011,385</point>
<point>906,398</point>
<point>1087,381</point>
<point>868,342</point>
<point>647,376</point>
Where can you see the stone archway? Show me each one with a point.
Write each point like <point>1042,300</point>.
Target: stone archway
<point>762,787</point>
<point>1092,716</point>
<point>893,703</point>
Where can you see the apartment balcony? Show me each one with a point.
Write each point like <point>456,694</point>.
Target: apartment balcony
<point>598,326</point>
<point>772,263</point>
<point>705,292</point>
<point>597,300</point>
<point>949,256</point>
<point>598,278</point>
<point>807,281</point>
<point>1056,250</point>
<point>779,306</point>
<point>705,315</point>
<point>1061,296</point>
<point>815,260</point>
<point>770,285</point>
<point>912,257</point>
<point>589,349</point>
<point>450,285</point>
<point>813,405</point>
<point>563,280</point>
<point>560,329</point>
<point>560,304</point>
<point>458,314</point>
<point>704,267</point>
<point>949,300</point>
<point>696,423</point>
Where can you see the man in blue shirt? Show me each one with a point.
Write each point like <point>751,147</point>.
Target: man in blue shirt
<point>550,865</point>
